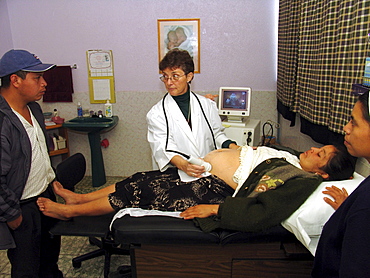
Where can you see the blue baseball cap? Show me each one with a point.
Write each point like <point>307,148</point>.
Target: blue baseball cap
<point>15,60</point>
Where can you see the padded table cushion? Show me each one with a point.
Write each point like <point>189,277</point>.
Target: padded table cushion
<point>169,230</point>
<point>159,229</point>
<point>273,234</point>
<point>90,226</point>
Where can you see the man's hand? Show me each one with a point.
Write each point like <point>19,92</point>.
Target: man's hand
<point>338,195</point>
<point>201,211</point>
<point>15,223</point>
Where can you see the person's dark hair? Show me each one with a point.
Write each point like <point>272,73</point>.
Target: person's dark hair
<point>341,165</point>
<point>5,81</point>
<point>364,100</point>
<point>177,58</point>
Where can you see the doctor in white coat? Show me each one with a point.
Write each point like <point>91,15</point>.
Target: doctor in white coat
<point>183,123</point>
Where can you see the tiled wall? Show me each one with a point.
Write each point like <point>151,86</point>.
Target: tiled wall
<point>129,151</point>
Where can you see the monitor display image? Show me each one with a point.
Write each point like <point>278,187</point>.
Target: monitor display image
<point>234,102</point>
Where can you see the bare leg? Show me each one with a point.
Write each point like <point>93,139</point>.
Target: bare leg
<point>73,198</point>
<point>64,212</point>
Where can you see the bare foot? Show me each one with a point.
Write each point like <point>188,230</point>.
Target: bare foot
<point>52,209</point>
<point>69,197</point>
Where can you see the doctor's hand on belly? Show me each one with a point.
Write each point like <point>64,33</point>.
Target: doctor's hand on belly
<point>190,169</point>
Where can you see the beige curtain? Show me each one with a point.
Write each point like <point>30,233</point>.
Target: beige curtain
<point>322,48</point>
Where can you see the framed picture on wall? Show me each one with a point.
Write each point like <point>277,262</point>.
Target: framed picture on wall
<point>180,33</point>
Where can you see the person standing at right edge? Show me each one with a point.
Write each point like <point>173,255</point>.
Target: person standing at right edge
<point>183,122</point>
<point>344,245</point>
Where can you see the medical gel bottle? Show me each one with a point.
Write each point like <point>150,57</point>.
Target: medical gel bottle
<point>79,110</point>
<point>108,109</point>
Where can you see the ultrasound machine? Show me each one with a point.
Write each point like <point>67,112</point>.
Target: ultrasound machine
<point>234,107</point>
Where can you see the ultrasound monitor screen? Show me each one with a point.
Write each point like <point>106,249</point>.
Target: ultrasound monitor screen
<point>235,100</point>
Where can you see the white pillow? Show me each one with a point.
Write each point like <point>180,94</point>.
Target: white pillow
<point>307,222</point>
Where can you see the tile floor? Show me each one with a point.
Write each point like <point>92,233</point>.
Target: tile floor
<point>75,246</point>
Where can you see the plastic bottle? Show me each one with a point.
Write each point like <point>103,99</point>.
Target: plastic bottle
<point>79,110</point>
<point>108,109</point>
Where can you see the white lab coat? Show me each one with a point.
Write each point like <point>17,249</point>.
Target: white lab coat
<point>196,142</point>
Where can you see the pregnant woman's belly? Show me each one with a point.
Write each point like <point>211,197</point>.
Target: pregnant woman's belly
<point>224,164</point>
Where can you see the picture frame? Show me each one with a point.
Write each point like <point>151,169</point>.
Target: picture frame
<point>181,33</point>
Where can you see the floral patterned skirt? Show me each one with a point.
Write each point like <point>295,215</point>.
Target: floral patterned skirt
<point>165,191</point>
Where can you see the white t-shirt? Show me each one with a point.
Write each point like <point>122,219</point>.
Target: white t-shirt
<point>41,172</point>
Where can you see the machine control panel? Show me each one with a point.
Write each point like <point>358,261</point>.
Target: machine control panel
<point>244,135</point>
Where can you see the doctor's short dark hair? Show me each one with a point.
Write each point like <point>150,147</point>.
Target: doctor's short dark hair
<point>341,165</point>
<point>177,58</point>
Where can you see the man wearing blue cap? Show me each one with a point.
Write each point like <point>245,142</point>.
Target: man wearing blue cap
<point>25,169</point>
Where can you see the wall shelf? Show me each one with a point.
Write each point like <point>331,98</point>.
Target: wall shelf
<point>62,131</point>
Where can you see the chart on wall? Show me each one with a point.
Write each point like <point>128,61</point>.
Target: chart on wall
<point>101,76</point>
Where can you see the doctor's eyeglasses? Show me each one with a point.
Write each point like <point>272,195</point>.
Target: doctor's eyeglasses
<point>175,77</point>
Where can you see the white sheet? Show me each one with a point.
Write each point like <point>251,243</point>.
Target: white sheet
<point>138,212</point>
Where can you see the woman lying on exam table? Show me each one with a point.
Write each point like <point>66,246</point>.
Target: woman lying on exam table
<point>344,246</point>
<point>268,186</point>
